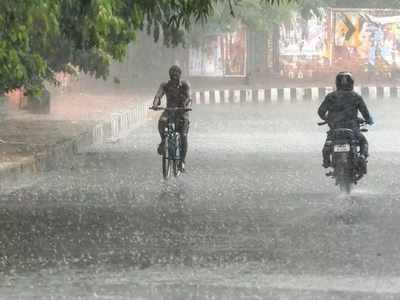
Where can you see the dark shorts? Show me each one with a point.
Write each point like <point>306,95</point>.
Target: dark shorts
<point>182,123</point>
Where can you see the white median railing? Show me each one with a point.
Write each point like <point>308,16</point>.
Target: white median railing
<point>121,123</point>
<point>98,134</point>
<point>282,95</point>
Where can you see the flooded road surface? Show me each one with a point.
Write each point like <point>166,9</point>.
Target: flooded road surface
<point>253,218</point>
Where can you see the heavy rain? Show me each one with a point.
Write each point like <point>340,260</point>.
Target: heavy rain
<point>162,150</point>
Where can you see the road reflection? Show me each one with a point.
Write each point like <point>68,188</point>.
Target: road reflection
<point>38,230</point>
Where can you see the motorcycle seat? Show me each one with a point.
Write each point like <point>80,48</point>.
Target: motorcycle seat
<point>343,133</point>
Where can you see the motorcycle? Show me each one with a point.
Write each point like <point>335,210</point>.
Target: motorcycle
<point>348,167</point>
<point>172,150</point>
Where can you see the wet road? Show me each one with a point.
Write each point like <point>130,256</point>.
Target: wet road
<point>254,217</point>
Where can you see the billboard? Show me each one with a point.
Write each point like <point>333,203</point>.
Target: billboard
<point>222,55</point>
<point>207,60</point>
<point>235,52</point>
<point>365,42</point>
<point>304,46</point>
<point>302,38</point>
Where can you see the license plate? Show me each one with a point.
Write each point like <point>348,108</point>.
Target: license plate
<point>341,148</point>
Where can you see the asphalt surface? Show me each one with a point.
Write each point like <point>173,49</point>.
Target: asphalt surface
<point>254,217</point>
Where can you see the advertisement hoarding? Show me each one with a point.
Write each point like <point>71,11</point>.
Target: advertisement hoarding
<point>207,60</point>
<point>222,55</point>
<point>304,46</point>
<point>365,42</point>
<point>235,52</point>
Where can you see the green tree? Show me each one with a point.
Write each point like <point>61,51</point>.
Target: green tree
<point>41,37</point>
<point>257,15</point>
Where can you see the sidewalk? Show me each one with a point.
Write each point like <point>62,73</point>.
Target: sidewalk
<point>30,143</point>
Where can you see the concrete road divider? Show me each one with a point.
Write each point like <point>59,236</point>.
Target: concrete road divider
<point>282,95</point>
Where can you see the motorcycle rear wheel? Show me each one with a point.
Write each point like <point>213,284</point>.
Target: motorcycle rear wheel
<point>344,179</point>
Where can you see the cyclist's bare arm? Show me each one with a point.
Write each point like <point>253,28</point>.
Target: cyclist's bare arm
<point>188,94</point>
<point>160,93</point>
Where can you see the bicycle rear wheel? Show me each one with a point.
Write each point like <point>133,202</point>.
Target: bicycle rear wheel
<point>166,167</point>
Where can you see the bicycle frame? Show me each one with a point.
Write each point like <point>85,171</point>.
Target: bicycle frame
<point>172,152</point>
<point>172,137</point>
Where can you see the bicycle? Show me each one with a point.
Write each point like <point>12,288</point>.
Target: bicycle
<point>172,146</point>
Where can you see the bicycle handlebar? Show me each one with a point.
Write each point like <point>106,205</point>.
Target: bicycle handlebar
<point>170,108</point>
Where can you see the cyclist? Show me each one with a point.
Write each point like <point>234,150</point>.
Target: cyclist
<point>178,95</point>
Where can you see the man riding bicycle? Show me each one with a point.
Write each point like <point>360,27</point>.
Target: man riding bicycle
<point>177,92</point>
<point>340,110</point>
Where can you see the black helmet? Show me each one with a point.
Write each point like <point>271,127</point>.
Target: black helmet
<point>175,72</point>
<point>344,81</point>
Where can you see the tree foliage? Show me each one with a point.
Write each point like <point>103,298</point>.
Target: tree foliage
<point>256,15</point>
<point>41,37</point>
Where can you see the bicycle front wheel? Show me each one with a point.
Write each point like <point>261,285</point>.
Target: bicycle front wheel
<point>177,167</point>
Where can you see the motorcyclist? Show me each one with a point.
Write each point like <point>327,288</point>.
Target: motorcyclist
<point>340,110</point>
<point>178,94</point>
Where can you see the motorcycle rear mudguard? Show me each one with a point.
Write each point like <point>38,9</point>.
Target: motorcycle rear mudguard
<point>343,168</point>
<point>341,158</point>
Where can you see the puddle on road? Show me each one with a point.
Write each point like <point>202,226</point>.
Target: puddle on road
<point>41,229</point>
<point>201,284</point>
<point>116,230</point>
